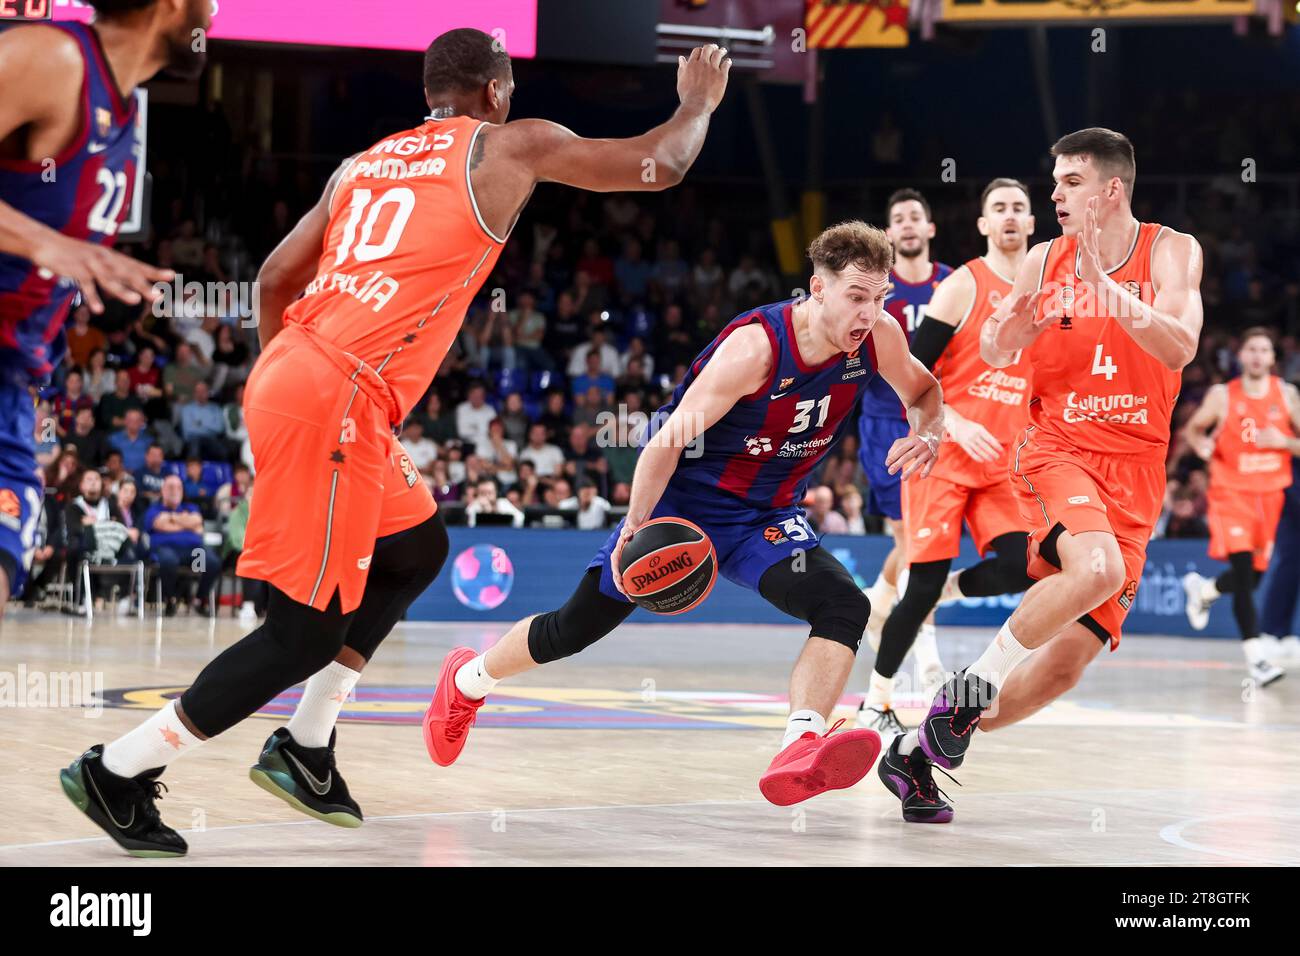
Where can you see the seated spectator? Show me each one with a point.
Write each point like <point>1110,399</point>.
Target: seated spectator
<point>440,483</point>
<point>596,343</point>
<point>197,489</point>
<point>823,518</point>
<point>132,441</point>
<point>175,529</point>
<point>527,486</point>
<point>83,338</point>
<point>89,441</point>
<point>546,459</point>
<point>422,452</point>
<point>100,379</point>
<point>203,427</point>
<point>637,355</point>
<point>146,382</point>
<point>439,425</point>
<point>120,350</point>
<point>486,502</point>
<point>183,375</point>
<point>150,477</point>
<point>113,471</point>
<point>594,377</point>
<point>114,406</point>
<point>583,458</point>
<point>254,593</point>
<point>556,493</point>
<point>64,476</point>
<point>473,416</point>
<point>45,435</point>
<point>529,329</point>
<point>72,400</point>
<point>632,273</point>
<point>851,508</point>
<point>230,363</point>
<point>499,453</point>
<point>670,272</point>
<point>233,413</point>
<point>592,509</point>
<point>748,282</point>
<point>204,339</point>
<point>515,419</point>
<point>555,418</point>
<point>132,508</point>
<point>231,493</point>
<point>95,530</point>
<point>566,329</point>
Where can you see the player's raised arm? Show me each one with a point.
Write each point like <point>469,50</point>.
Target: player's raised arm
<point>1170,327</point>
<point>46,65</point>
<point>1015,325</point>
<point>654,160</point>
<point>292,264</point>
<point>1201,426</point>
<point>741,366</point>
<point>920,394</point>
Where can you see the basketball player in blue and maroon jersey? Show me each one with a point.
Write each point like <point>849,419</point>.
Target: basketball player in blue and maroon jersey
<point>68,150</point>
<point>912,281</point>
<point>758,409</point>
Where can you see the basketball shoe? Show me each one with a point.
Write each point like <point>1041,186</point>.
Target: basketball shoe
<point>909,777</point>
<point>813,765</point>
<point>451,714</point>
<point>123,807</point>
<point>947,729</point>
<point>306,778</point>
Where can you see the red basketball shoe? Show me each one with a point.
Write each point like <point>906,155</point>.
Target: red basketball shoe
<point>813,765</point>
<point>451,714</point>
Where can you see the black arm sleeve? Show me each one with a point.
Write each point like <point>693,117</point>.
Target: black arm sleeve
<point>930,339</point>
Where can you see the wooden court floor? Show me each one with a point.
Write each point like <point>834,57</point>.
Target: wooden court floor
<point>646,750</point>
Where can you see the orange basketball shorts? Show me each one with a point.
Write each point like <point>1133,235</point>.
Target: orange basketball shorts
<point>934,508</point>
<point>330,477</point>
<point>1084,490</point>
<point>1243,520</point>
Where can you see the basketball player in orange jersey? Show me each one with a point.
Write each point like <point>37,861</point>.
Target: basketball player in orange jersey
<point>343,529</point>
<point>1108,315</point>
<point>985,409</point>
<point>1247,430</point>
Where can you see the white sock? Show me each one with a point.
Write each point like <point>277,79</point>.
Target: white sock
<point>1253,648</point>
<point>1209,591</point>
<point>888,592</point>
<point>800,723</point>
<point>911,740</point>
<point>155,743</point>
<point>1000,657</point>
<point>880,692</point>
<point>926,648</point>
<point>473,679</point>
<point>318,709</point>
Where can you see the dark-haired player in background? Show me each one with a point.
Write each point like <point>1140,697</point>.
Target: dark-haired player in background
<point>342,528</point>
<point>912,281</point>
<point>1246,429</point>
<point>68,149</point>
<point>765,401</point>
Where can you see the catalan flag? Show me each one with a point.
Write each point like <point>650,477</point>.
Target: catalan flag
<point>850,23</point>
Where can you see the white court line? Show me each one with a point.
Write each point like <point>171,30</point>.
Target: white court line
<point>1173,834</point>
<point>628,806</point>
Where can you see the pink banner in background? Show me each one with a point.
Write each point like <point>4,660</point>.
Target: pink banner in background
<point>378,24</point>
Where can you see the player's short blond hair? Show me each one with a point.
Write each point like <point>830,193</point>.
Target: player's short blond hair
<point>852,243</point>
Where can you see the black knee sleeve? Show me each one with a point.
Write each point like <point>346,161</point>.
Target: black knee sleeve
<point>403,566</point>
<point>814,587</point>
<point>1240,581</point>
<point>294,642</point>
<point>584,619</point>
<point>1004,573</point>
<point>924,587</point>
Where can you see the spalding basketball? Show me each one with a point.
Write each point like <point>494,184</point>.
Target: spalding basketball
<point>668,566</point>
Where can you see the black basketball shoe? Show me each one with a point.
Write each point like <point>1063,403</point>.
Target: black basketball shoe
<point>123,807</point>
<point>910,779</point>
<point>948,728</point>
<point>306,778</point>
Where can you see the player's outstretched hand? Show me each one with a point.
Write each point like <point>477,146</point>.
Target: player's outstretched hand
<point>911,455</point>
<point>616,559</point>
<point>1018,324</point>
<point>96,268</point>
<point>702,77</point>
<point>974,439</point>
